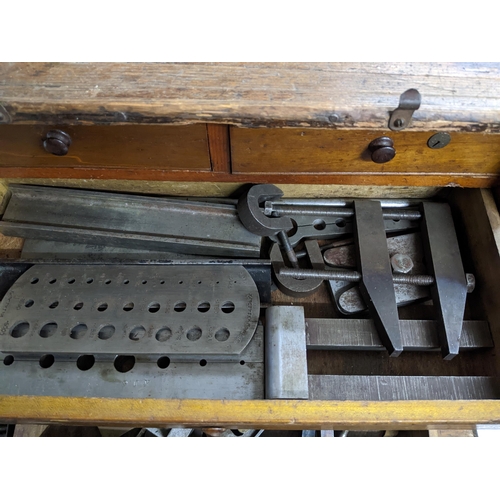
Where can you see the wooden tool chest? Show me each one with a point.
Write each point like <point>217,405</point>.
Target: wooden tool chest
<point>211,129</point>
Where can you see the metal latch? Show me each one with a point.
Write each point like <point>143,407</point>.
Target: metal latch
<point>408,103</point>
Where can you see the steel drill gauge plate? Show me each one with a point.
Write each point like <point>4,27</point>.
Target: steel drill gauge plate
<point>184,310</point>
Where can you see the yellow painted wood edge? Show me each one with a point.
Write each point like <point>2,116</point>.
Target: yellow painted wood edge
<point>261,414</point>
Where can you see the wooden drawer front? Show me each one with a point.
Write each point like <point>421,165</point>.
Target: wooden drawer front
<point>138,146</point>
<point>327,151</point>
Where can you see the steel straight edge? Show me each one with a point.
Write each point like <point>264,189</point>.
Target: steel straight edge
<point>259,414</point>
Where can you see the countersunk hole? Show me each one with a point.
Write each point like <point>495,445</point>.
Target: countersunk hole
<point>194,333</point>
<point>319,224</point>
<point>8,360</point>
<point>54,305</point>
<point>52,281</point>
<point>180,306</point>
<point>124,364</point>
<point>126,282</point>
<point>340,222</point>
<point>85,362</point>
<point>90,280</point>
<point>163,334</point>
<point>71,281</point>
<point>162,282</point>
<point>154,307</point>
<point>107,282</point>
<point>46,361</point>
<point>48,330</point>
<point>144,282</point>
<point>181,282</point>
<point>106,332</point>
<point>102,307</point>
<point>227,307</point>
<point>222,335</point>
<point>20,329</point>
<point>78,306</point>
<point>137,333</point>
<point>203,362</point>
<point>34,281</point>
<point>29,303</point>
<point>78,331</point>
<point>163,362</point>
<point>203,307</point>
<point>129,306</point>
<point>242,362</point>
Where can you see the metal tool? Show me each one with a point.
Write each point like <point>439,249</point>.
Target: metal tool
<point>286,357</point>
<point>449,289</point>
<point>180,311</point>
<point>290,285</point>
<point>255,221</point>
<point>409,102</point>
<point>131,221</point>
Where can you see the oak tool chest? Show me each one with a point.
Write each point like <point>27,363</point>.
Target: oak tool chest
<point>265,246</point>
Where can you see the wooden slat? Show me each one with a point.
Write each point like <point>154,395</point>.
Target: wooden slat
<point>339,151</point>
<point>141,148</point>
<point>218,144</point>
<point>455,96</point>
<point>258,414</point>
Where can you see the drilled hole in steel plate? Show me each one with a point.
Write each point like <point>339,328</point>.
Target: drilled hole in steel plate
<point>90,280</point>
<point>181,282</point>
<point>163,334</point>
<point>34,281</point>
<point>217,282</point>
<point>203,307</point>
<point>128,306</point>
<point>54,305</point>
<point>71,281</point>
<point>102,307</point>
<point>20,329</point>
<point>227,307</point>
<point>8,360</point>
<point>46,361</point>
<point>203,362</point>
<point>124,364</point>
<point>78,306</point>
<point>222,335</point>
<point>29,303</point>
<point>319,224</point>
<point>107,282</point>
<point>85,362</point>
<point>163,362</point>
<point>78,331</point>
<point>242,362</point>
<point>126,282</point>
<point>194,334</point>
<point>340,223</point>
<point>106,332</point>
<point>162,282</point>
<point>199,282</point>
<point>395,220</point>
<point>180,306</point>
<point>144,282</point>
<point>48,330</point>
<point>153,307</point>
<point>52,281</point>
<point>137,333</point>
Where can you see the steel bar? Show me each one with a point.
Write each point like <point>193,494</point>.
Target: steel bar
<point>376,286</point>
<point>334,202</point>
<point>361,334</point>
<point>131,221</point>
<point>344,213</point>
<point>286,356</point>
<point>399,388</point>
<point>443,258</point>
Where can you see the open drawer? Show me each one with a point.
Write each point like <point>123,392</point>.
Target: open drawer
<point>478,224</point>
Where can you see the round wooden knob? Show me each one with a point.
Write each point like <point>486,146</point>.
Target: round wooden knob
<point>382,149</point>
<point>57,142</point>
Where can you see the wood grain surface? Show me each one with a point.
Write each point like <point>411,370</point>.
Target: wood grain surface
<point>338,151</point>
<point>455,96</point>
<point>256,414</point>
<point>134,146</point>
